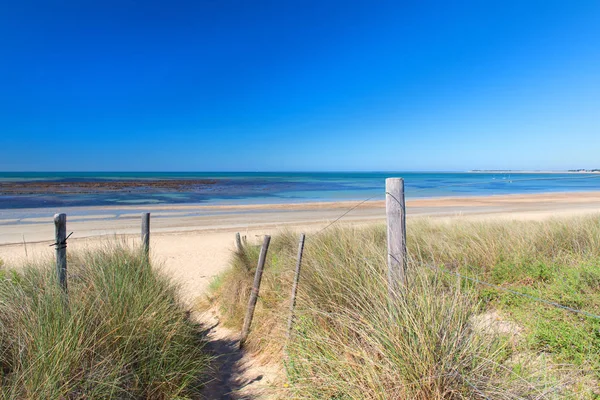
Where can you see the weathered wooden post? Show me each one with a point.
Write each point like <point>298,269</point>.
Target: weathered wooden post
<point>60,229</point>
<point>255,288</point>
<point>396,233</point>
<point>238,243</point>
<point>146,234</point>
<point>295,286</point>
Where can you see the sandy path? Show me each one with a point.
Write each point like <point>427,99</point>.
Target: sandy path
<point>236,374</point>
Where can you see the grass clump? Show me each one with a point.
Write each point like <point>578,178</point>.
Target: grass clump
<point>421,345</point>
<point>556,260</point>
<point>120,334</point>
<point>351,342</point>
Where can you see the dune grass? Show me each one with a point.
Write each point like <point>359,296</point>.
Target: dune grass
<point>121,334</point>
<point>444,337</point>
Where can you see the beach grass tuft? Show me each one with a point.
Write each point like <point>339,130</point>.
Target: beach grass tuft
<point>120,333</point>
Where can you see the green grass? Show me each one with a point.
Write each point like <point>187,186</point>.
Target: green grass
<point>556,260</point>
<point>121,334</point>
<point>350,342</point>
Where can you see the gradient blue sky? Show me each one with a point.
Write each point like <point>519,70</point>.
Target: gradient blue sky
<point>281,85</point>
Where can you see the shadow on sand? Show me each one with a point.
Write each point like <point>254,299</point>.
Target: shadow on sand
<point>228,374</point>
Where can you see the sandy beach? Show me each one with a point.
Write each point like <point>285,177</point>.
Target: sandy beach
<point>193,242</point>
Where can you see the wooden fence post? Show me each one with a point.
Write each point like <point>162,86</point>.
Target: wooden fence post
<point>295,286</point>
<point>238,242</point>
<point>146,234</point>
<point>60,229</point>
<point>255,288</point>
<point>396,233</point>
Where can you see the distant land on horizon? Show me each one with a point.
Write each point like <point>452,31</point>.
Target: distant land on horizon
<point>515,171</point>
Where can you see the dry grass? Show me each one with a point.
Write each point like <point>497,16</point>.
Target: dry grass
<point>122,334</point>
<point>351,342</point>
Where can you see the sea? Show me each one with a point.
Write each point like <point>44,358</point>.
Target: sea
<point>288,187</point>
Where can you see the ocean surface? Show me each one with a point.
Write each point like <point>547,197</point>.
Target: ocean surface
<point>268,188</point>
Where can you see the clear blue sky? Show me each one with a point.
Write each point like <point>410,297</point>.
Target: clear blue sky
<point>280,85</point>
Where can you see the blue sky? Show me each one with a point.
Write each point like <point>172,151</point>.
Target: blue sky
<point>277,85</point>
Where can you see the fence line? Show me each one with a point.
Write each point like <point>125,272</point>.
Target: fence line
<point>475,280</point>
<point>400,238</point>
<point>347,212</point>
<point>417,190</point>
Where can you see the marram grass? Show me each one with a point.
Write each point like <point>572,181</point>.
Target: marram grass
<point>122,334</point>
<point>351,342</point>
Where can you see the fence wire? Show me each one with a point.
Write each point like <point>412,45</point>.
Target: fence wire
<point>472,279</point>
<point>347,212</point>
<point>463,184</point>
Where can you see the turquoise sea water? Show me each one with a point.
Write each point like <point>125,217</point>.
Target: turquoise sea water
<point>252,188</point>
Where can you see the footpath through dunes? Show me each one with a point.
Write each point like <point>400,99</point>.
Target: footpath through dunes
<point>192,260</point>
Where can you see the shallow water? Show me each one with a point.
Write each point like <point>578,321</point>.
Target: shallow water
<point>264,188</point>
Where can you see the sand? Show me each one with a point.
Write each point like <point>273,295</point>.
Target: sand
<point>193,243</point>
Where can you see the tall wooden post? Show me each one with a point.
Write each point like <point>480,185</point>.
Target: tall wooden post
<point>238,243</point>
<point>255,288</point>
<point>396,233</point>
<point>146,234</point>
<point>60,229</point>
<point>295,286</point>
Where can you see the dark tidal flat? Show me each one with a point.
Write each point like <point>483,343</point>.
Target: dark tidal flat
<point>96,187</point>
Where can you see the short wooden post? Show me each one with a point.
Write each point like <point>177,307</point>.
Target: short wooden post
<point>396,233</point>
<point>255,288</point>
<point>238,243</point>
<point>295,286</point>
<point>146,234</point>
<point>60,229</point>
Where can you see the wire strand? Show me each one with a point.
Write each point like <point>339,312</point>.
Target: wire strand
<point>347,212</point>
<point>595,176</point>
